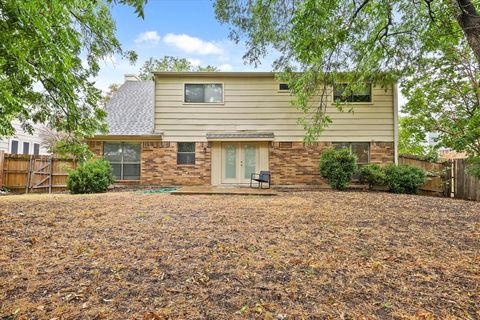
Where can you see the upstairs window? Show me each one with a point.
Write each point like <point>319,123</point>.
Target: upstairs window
<point>14,147</point>
<point>186,153</point>
<point>283,87</point>
<point>124,157</point>
<point>36,149</point>
<point>203,93</point>
<point>26,148</point>
<point>343,94</point>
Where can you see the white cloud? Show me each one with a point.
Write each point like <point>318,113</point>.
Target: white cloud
<point>194,62</point>
<point>151,37</point>
<point>191,44</point>
<point>225,67</point>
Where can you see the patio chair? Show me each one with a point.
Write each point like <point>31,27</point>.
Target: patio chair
<point>261,178</point>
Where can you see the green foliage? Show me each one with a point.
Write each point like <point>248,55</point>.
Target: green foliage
<point>412,138</point>
<point>43,78</point>
<point>91,176</point>
<point>433,45</point>
<point>373,175</point>
<point>169,63</point>
<point>404,178</point>
<point>444,97</point>
<point>73,149</point>
<point>473,166</point>
<point>338,167</point>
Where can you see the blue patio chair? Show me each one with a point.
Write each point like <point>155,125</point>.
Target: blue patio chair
<point>261,178</point>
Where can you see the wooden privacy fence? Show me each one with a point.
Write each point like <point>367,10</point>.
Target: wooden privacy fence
<point>28,173</point>
<point>463,185</point>
<point>450,178</point>
<point>437,182</point>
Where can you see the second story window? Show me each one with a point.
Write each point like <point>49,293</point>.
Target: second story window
<point>14,147</point>
<point>343,94</point>
<point>203,93</point>
<point>26,148</point>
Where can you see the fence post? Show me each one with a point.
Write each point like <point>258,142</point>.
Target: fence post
<point>2,163</point>
<point>29,174</point>
<point>50,180</point>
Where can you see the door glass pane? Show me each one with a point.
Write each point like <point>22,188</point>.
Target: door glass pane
<point>213,93</point>
<point>230,161</point>
<point>250,159</point>
<point>112,151</point>
<point>131,152</point>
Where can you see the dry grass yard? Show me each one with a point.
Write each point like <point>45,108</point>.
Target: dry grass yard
<point>313,255</point>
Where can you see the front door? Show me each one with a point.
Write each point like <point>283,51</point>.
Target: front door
<point>239,161</point>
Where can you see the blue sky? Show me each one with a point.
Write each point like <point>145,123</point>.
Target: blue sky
<point>182,28</point>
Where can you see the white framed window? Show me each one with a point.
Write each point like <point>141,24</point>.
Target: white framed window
<point>36,149</point>
<point>124,157</point>
<point>203,93</point>
<point>341,93</point>
<point>283,87</point>
<point>186,153</point>
<point>14,147</point>
<point>26,147</point>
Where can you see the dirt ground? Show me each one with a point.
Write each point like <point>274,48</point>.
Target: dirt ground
<point>312,255</point>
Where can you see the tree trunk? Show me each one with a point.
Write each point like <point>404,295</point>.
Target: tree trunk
<point>469,20</point>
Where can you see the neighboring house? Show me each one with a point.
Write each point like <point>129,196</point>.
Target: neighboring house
<point>203,128</point>
<point>23,142</point>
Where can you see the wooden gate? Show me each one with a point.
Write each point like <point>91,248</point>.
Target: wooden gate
<point>463,184</point>
<point>27,173</point>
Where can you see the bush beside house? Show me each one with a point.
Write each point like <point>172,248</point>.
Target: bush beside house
<point>373,175</point>
<point>404,178</point>
<point>91,176</point>
<point>338,167</point>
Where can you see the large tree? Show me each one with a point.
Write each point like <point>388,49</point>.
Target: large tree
<point>49,52</point>
<point>371,41</point>
<point>170,63</point>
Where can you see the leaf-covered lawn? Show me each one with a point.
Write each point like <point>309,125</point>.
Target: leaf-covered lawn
<point>314,254</point>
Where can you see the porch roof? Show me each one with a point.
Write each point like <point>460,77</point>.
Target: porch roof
<point>240,136</point>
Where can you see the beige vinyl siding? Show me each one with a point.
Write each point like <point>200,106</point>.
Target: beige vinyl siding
<point>255,104</point>
<point>22,136</point>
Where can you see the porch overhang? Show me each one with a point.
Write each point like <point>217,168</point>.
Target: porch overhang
<point>241,136</point>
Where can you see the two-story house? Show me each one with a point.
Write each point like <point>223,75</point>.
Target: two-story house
<point>216,128</point>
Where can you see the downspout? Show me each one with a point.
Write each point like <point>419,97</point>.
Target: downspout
<point>395,122</point>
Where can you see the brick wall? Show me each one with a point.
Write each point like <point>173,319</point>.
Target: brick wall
<point>295,164</point>
<point>159,165</point>
<point>382,153</point>
<point>96,147</point>
<point>298,164</point>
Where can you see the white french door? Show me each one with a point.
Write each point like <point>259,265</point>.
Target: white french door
<point>239,161</point>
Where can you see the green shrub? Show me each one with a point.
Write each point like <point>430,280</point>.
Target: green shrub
<point>338,167</point>
<point>372,174</point>
<point>90,177</point>
<point>404,178</point>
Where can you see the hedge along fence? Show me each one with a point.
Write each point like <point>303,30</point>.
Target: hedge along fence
<point>28,173</point>
<point>437,182</point>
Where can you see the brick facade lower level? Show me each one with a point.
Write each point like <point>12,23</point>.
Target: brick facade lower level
<point>292,163</point>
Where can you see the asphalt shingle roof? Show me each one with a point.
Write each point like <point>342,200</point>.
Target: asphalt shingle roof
<point>130,111</point>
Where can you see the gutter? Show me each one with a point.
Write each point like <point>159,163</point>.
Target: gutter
<point>395,122</point>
